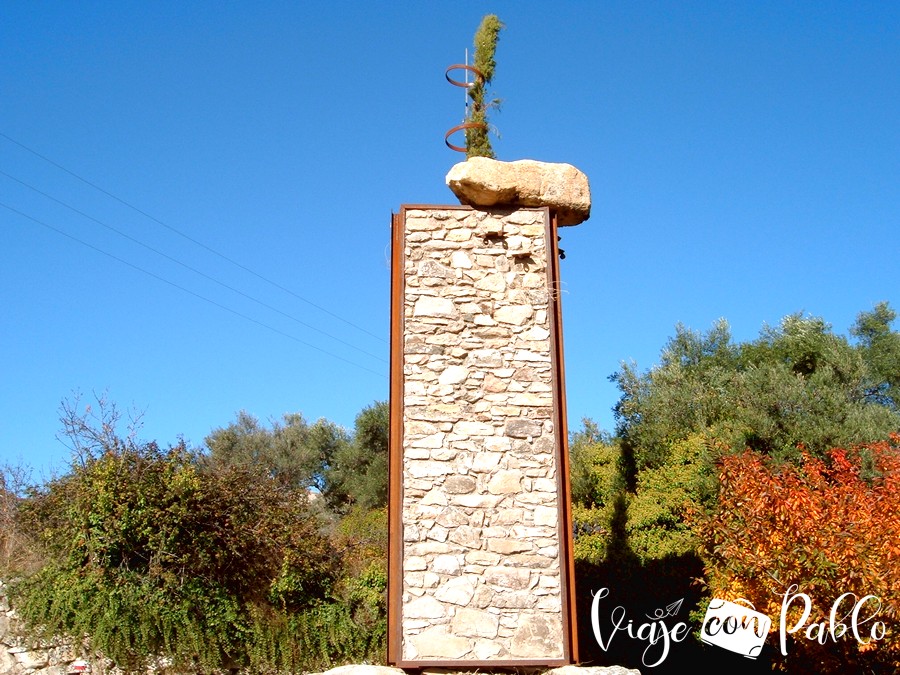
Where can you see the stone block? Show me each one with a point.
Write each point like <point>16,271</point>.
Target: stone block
<point>437,643</point>
<point>457,485</point>
<point>432,306</point>
<point>475,623</point>
<point>457,591</point>
<point>425,607</point>
<point>481,181</point>
<point>508,577</point>
<point>538,635</point>
<point>505,482</point>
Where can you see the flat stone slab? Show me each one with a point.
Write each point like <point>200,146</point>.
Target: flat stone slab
<point>481,181</point>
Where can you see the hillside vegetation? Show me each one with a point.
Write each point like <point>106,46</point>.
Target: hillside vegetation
<point>735,470</point>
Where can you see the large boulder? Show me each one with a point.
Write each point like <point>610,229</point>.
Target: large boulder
<point>480,181</point>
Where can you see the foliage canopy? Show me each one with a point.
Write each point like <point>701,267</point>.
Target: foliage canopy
<point>797,384</point>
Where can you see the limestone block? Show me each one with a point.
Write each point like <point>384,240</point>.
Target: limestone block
<point>477,501</point>
<point>453,517</point>
<point>431,268</point>
<point>546,515</point>
<point>453,375</point>
<point>530,561</point>
<point>446,564</point>
<point>433,306</point>
<point>486,649</point>
<point>458,485</point>
<point>508,517</point>
<point>482,558</point>
<point>31,660</point>
<point>522,428</point>
<point>508,577</point>
<point>420,468</point>
<point>536,635</point>
<point>435,440</point>
<point>425,607</point>
<point>493,283</point>
<point>497,443</point>
<point>486,461</point>
<point>434,496</point>
<point>475,623</point>
<point>466,428</point>
<point>460,260</point>
<point>427,548</point>
<point>437,643</point>
<point>514,314</point>
<point>508,546</point>
<point>457,591</point>
<point>7,662</point>
<point>470,537</point>
<point>437,532</point>
<point>505,482</point>
<point>481,181</point>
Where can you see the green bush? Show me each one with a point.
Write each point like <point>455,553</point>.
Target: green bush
<point>151,555</point>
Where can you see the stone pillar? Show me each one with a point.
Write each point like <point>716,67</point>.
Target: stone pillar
<point>481,570</point>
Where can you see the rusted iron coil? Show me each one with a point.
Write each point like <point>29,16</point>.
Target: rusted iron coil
<point>460,127</point>
<point>462,66</point>
<point>479,77</point>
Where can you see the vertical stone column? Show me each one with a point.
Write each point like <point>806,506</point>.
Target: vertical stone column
<point>480,565</point>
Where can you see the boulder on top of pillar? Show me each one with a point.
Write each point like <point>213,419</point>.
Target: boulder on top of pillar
<point>481,181</point>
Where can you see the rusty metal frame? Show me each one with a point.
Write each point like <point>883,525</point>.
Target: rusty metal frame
<point>570,627</point>
<point>395,446</point>
<point>395,472</point>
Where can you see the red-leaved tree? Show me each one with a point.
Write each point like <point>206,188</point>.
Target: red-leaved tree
<point>829,527</point>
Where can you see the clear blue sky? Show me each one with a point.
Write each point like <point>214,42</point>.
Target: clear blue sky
<point>744,161</point>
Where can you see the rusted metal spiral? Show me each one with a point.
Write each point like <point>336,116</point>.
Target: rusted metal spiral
<point>462,66</point>
<point>479,77</point>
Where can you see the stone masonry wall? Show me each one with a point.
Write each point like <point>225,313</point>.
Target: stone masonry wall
<point>480,504</point>
<point>19,657</point>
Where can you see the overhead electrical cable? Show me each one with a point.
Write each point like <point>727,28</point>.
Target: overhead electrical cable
<point>188,291</point>
<point>189,267</point>
<point>192,239</point>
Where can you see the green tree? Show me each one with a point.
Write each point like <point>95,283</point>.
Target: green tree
<point>478,143</point>
<point>881,350</point>
<point>796,384</point>
<point>294,451</point>
<point>593,473</point>
<point>358,474</point>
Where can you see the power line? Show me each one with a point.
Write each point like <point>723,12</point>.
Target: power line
<point>189,267</point>
<point>190,292</point>
<point>191,239</point>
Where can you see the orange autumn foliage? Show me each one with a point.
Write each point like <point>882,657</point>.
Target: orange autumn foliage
<point>830,527</point>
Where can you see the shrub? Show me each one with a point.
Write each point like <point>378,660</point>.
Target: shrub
<point>150,556</point>
<point>829,526</point>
